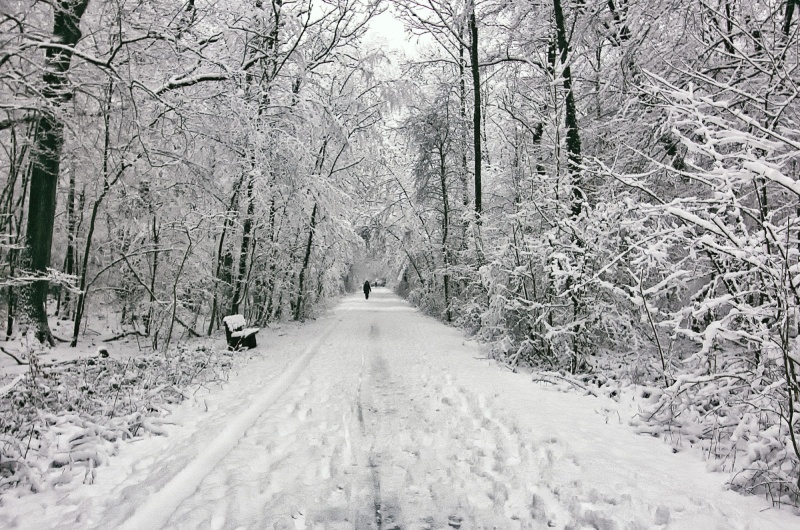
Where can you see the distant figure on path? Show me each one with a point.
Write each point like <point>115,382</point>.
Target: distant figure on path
<point>367,289</point>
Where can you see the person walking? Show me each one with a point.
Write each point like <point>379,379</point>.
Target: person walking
<point>367,289</point>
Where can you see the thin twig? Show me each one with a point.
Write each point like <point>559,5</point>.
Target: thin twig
<point>12,356</point>
<point>123,335</point>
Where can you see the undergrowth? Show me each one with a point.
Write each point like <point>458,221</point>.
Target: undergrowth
<point>736,420</point>
<point>60,422</point>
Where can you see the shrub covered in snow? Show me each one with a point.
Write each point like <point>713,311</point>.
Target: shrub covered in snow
<point>739,421</point>
<point>60,422</point>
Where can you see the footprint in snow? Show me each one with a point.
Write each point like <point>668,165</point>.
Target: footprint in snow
<point>299,519</point>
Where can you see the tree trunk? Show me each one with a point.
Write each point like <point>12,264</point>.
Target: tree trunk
<point>577,196</point>
<point>476,115</point>
<point>148,325</point>
<point>445,229</point>
<point>571,116</point>
<point>787,19</point>
<point>272,258</point>
<point>247,229</point>
<point>12,220</point>
<point>729,25</point>
<point>174,315</point>
<point>35,257</point>
<point>220,256</point>
<point>462,109</point>
<point>69,259</point>
<point>48,142</point>
<point>298,308</point>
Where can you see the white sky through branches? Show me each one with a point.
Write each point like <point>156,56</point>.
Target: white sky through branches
<point>387,29</point>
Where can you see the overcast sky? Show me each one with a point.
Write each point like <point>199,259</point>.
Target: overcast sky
<point>385,28</point>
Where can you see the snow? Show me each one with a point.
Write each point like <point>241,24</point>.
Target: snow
<point>245,332</point>
<point>376,416</point>
<point>157,510</point>
<point>235,322</point>
<point>12,384</point>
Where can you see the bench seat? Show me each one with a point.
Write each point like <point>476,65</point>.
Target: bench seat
<point>245,332</point>
<point>237,334</point>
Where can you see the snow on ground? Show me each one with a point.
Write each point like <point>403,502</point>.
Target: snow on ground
<point>105,325</point>
<point>376,416</point>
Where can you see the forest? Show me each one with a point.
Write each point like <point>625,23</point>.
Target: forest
<point>602,190</point>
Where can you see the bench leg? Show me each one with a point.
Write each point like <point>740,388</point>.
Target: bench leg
<point>249,341</point>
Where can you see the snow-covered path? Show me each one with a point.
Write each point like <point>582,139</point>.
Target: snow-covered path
<point>379,417</point>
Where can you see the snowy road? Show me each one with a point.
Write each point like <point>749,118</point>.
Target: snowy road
<point>378,417</point>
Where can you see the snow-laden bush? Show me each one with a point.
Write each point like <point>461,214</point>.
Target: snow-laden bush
<point>737,420</point>
<point>735,391</point>
<point>701,285</point>
<point>564,294</point>
<point>60,422</point>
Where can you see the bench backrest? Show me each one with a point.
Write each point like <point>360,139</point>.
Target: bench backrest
<point>235,322</point>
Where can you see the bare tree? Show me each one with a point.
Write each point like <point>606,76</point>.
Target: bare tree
<point>48,140</point>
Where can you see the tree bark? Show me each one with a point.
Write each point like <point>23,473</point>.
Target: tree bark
<point>272,257</point>
<point>148,325</point>
<point>571,116</point>
<point>69,259</point>
<point>247,229</point>
<point>174,317</point>
<point>462,110</point>
<point>445,229</point>
<point>39,234</point>
<point>48,142</point>
<point>787,19</point>
<point>13,220</point>
<point>298,308</point>
<point>577,196</point>
<point>476,115</point>
<point>729,25</point>
<point>220,259</point>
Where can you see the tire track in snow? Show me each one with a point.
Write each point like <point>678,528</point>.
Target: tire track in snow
<point>159,507</point>
<point>376,492</point>
<point>373,467</point>
<point>374,333</point>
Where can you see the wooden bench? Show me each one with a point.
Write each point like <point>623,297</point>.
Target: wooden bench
<point>238,334</point>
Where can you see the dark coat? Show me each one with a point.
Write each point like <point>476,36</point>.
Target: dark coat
<point>367,287</point>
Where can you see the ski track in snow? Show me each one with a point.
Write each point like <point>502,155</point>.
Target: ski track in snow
<point>386,420</point>
<point>156,511</point>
